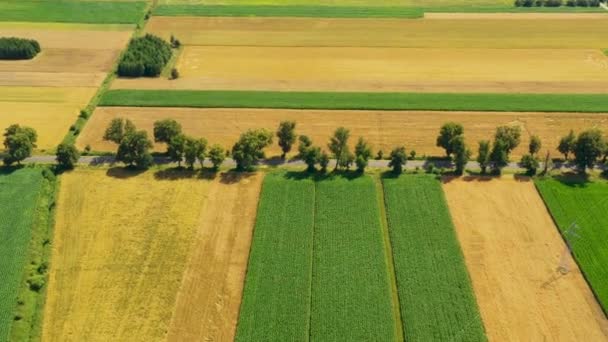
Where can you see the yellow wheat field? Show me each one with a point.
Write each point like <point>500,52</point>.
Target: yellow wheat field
<point>121,246</point>
<point>416,130</point>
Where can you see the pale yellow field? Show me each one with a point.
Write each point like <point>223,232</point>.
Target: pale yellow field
<point>120,248</point>
<point>49,110</point>
<point>384,129</point>
<point>548,32</point>
<point>386,69</point>
<point>512,250</point>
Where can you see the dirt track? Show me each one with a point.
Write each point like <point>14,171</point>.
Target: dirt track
<point>512,250</point>
<point>209,299</point>
<point>384,129</point>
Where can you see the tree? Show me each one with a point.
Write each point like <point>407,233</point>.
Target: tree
<point>67,156</point>
<point>19,142</point>
<point>448,132</point>
<point>177,148</point>
<point>217,155</point>
<point>363,153</point>
<point>398,159</point>
<point>194,150</point>
<point>324,161</point>
<point>510,137</point>
<point>461,153</point>
<point>287,136</point>
<point>118,129</point>
<point>166,130</point>
<point>250,148</point>
<point>530,163</point>
<point>305,143</point>
<point>483,155</point>
<point>499,157</point>
<point>567,144</point>
<point>338,146</point>
<point>308,153</point>
<point>535,145</point>
<point>134,150</point>
<point>588,148</point>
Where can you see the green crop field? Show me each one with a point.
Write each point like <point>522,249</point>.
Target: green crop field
<point>19,192</point>
<point>591,103</point>
<point>435,293</point>
<point>276,298</point>
<point>351,299</point>
<point>94,12</point>
<point>584,204</point>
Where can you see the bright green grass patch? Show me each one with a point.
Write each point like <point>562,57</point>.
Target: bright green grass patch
<point>19,192</point>
<point>103,12</point>
<point>288,11</point>
<point>585,204</point>
<point>351,298</point>
<point>370,101</point>
<point>276,298</point>
<point>435,292</point>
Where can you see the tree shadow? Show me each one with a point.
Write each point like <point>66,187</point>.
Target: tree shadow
<point>468,178</point>
<point>320,176</point>
<point>177,173</point>
<point>124,172</point>
<point>7,170</point>
<point>232,177</point>
<point>573,179</point>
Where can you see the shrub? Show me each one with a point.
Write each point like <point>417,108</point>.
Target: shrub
<point>145,56</point>
<point>553,3</point>
<point>18,48</point>
<point>582,3</point>
<point>174,74</point>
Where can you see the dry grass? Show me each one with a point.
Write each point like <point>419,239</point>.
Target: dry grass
<point>512,250</point>
<point>209,299</point>
<point>522,32</point>
<point>120,248</point>
<point>384,129</point>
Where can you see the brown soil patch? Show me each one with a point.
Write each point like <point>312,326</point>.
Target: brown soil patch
<point>64,60</point>
<point>386,69</point>
<point>51,79</point>
<point>210,295</point>
<point>559,33</point>
<point>512,250</point>
<point>384,129</point>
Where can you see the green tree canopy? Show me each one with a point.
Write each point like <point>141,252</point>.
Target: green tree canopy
<point>287,136</point>
<point>217,155</point>
<point>250,148</point>
<point>589,146</point>
<point>165,130</point>
<point>19,142</point>
<point>118,129</point>
<point>67,155</point>
<point>567,144</point>
<point>338,146</point>
<point>535,145</point>
<point>398,159</point>
<point>448,132</point>
<point>363,153</point>
<point>134,150</point>
<point>195,149</point>
<point>483,155</point>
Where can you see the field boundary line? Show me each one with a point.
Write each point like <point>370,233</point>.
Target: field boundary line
<point>390,257</point>
<point>572,254</point>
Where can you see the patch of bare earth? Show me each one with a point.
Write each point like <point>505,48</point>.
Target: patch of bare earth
<point>209,299</point>
<point>513,250</point>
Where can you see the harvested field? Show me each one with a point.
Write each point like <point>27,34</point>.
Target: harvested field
<point>492,32</point>
<point>512,250</point>
<point>385,69</point>
<point>384,129</point>
<point>209,297</point>
<point>121,246</point>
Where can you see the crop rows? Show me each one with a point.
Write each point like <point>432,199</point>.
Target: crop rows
<point>95,12</point>
<point>18,196</point>
<point>435,292</point>
<point>276,298</point>
<point>579,209</point>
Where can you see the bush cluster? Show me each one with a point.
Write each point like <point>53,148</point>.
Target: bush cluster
<point>18,48</point>
<point>145,56</point>
<point>557,3</point>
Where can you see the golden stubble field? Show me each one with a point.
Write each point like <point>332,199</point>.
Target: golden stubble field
<point>48,91</point>
<point>384,129</point>
<point>154,256</point>
<point>513,250</point>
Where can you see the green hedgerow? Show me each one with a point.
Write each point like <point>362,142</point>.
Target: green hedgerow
<point>145,56</point>
<point>18,48</point>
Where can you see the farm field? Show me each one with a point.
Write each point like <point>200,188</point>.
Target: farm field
<point>276,299</point>
<point>435,291</point>
<point>351,297</point>
<point>48,92</point>
<point>384,129</point>
<point>72,11</point>
<point>572,201</point>
<point>512,250</point>
<point>210,293</point>
<point>19,198</point>
<point>121,246</point>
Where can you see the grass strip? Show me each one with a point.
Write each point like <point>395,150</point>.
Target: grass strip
<point>276,298</point>
<point>435,291</point>
<point>353,100</point>
<point>351,296</point>
<point>579,209</point>
<point>94,12</point>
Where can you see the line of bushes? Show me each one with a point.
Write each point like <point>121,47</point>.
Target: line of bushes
<point>18,48</point>
<point>145,56</point>
<point>557,3</point>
